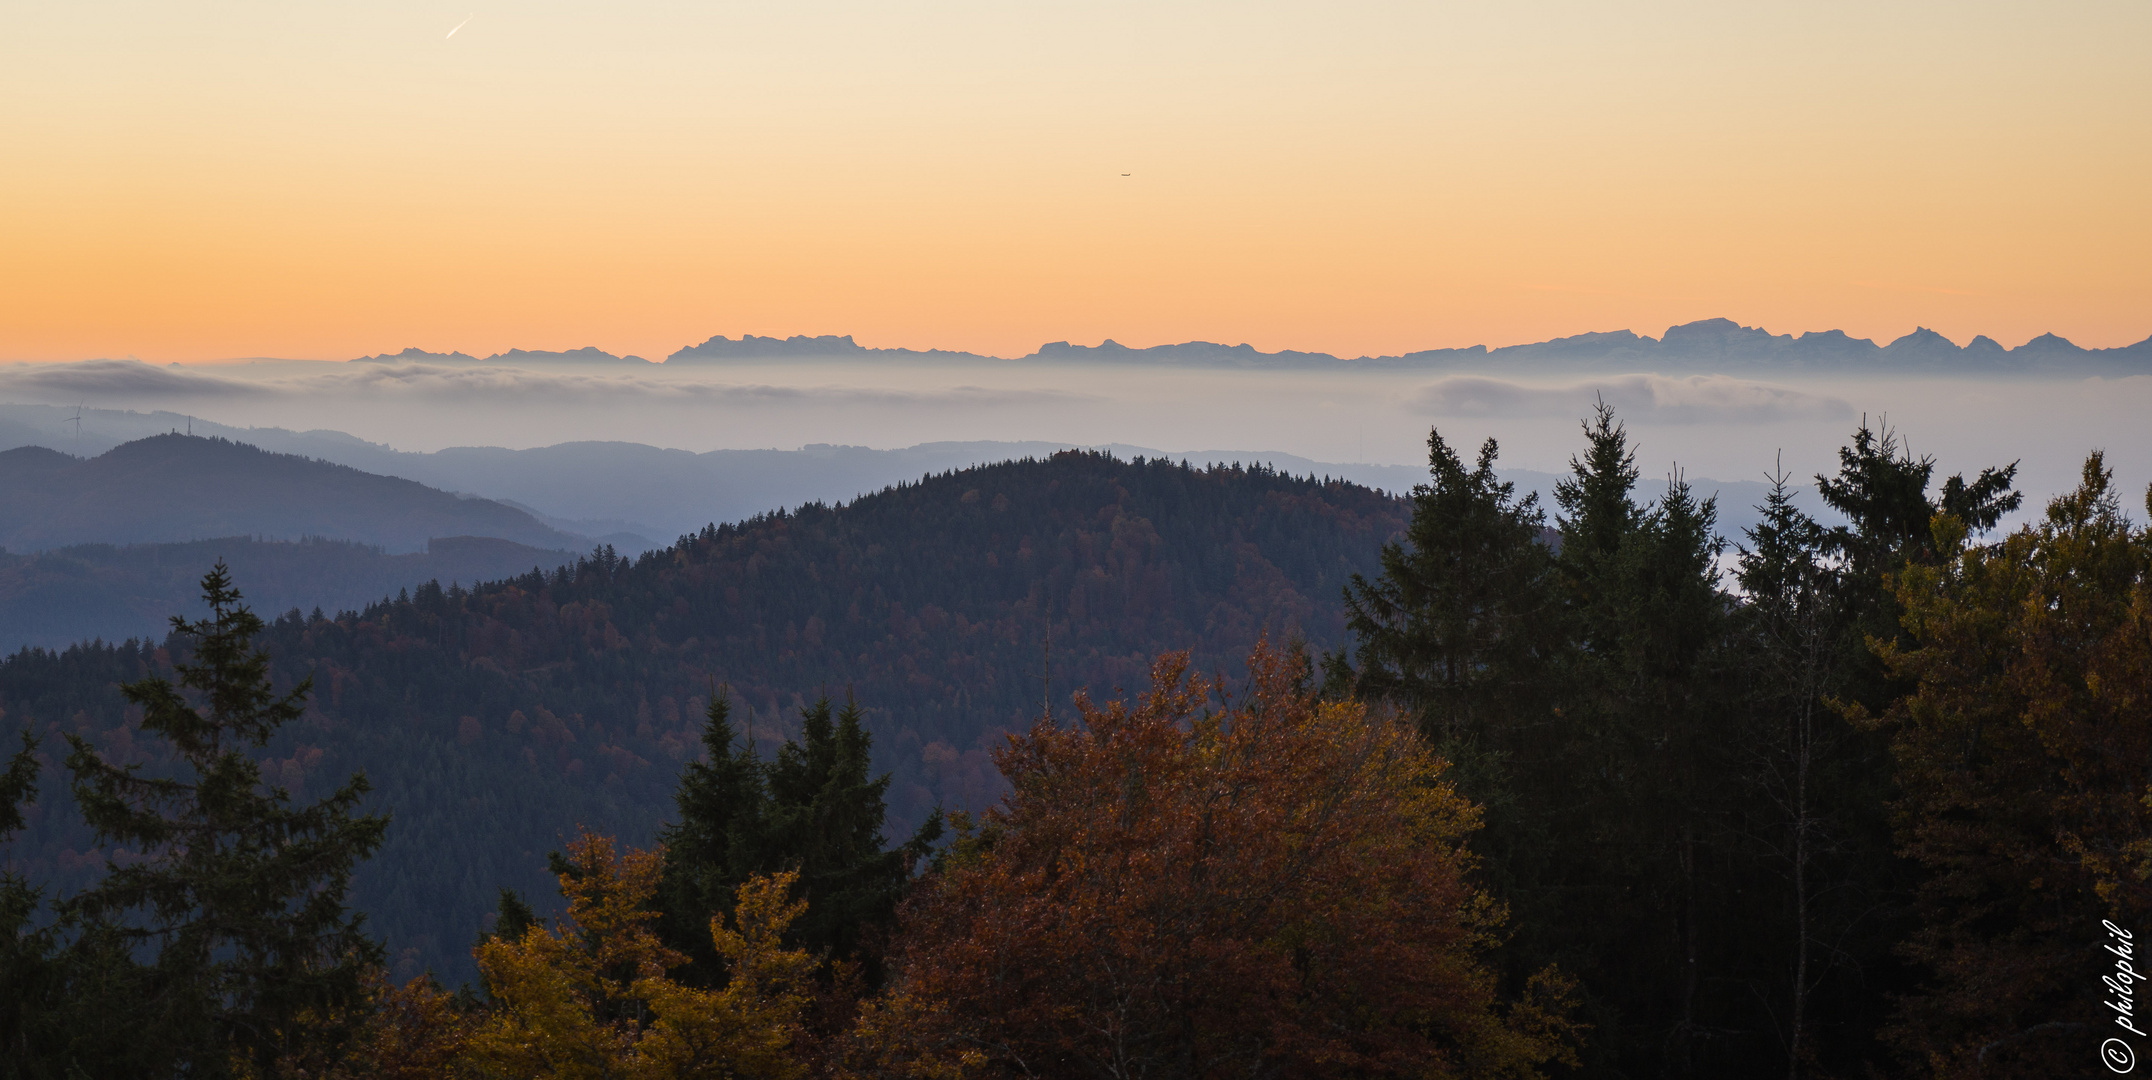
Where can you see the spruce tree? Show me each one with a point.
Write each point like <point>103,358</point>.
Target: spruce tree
<point>1598,515</point>
<point>1584,698</point>
<point>826,819</point>
<point>29,1002</point>
<point>1882,490</point>
<point>718,842</point>
<point>1457,627</point>
<point>1816,789</point>
<point>813,809</point>
<point>1637,777</point>
<point>1465,631</point>
<point>220,940</point>
<point>1665,761</point>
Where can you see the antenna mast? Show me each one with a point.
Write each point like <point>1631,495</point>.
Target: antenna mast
<point>1046,679</point>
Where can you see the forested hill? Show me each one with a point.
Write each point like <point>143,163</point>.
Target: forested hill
<point>176,488</point>
<point>493,721</point>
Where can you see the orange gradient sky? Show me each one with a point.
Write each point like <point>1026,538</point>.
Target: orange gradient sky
<point>193,182</point>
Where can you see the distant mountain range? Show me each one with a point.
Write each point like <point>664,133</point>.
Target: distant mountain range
<point>1717,345</point>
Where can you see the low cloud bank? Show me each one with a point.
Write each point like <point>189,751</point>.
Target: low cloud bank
<point>133,380</point>
<point>1697,399</point>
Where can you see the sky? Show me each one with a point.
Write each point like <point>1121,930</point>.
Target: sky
<point>200,182</point>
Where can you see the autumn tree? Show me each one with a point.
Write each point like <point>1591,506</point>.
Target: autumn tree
<point>2020,754</point>
<point>1193,885</point>
<point>591,996</point>
<point>415,1031</point>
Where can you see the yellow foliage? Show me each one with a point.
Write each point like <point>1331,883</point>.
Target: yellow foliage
<point>591,997</point>
<point>408,1032</point>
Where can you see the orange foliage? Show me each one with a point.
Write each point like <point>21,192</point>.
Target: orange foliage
<point>1195,886</point>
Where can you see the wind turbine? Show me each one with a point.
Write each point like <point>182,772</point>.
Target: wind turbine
<point>77,421</point>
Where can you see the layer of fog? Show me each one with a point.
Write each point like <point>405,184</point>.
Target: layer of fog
<point>1731,429</point>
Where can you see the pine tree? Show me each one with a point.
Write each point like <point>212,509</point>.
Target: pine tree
<point>1664,748</point>
<point>1638,782</point>
<point>1578,694</point>
<point>224,929</point>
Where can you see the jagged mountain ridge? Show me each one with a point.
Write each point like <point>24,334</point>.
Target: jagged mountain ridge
<point>1709,344</point>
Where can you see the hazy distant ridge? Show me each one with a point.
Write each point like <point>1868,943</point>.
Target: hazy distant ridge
<point>178,488</point>
<point>588,354</point>
<point>1710,343</point>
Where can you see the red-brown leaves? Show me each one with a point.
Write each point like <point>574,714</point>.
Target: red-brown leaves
<point>1196,886</point>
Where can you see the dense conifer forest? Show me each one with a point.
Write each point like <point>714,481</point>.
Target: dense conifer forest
<point>1479,788</point>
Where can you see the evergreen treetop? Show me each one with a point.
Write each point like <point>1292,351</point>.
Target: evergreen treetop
<point>813,811</point>
<point>221,920</point>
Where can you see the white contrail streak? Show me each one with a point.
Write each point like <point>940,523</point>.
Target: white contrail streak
<point>466,21</point>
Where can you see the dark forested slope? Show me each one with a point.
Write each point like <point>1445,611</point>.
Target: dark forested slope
<point>495,720</point>
<point>181,487</point>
